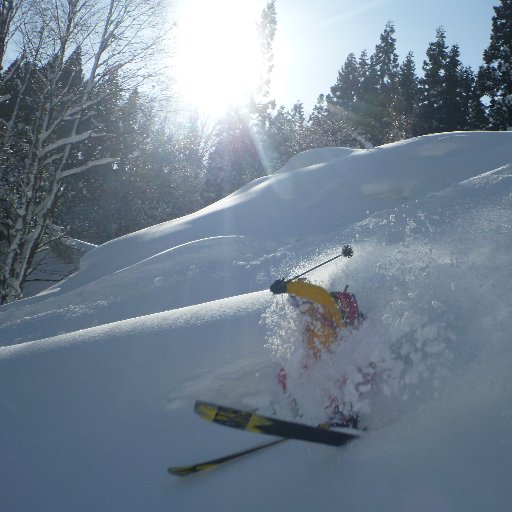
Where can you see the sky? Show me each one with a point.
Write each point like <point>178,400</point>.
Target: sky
<point>314,38</point>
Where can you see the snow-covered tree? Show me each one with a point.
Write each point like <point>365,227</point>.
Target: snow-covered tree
<point>48,130</point>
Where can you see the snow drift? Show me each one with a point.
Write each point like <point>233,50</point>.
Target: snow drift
<point>98,374</point>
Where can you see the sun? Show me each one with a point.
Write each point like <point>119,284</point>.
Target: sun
<point>218,59</point>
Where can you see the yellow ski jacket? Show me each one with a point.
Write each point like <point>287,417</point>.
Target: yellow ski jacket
<point>324,317</point>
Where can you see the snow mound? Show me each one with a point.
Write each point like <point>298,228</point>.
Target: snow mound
<point>99,373</point>
<point>316,157</point>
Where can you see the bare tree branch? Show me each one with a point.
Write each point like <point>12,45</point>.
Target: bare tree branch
<point>115,38</point>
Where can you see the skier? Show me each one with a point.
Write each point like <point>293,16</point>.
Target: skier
<point>326,314</point>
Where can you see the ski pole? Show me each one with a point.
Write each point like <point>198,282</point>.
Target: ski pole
<point>346,252</point>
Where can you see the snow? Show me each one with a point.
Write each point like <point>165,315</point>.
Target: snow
<point>98,374</point>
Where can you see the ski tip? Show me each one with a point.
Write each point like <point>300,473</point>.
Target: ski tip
<point>205,410</point>
<point>178,471</point>
<point>189,470</point>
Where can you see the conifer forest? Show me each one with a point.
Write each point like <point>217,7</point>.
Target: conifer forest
<point>93,145</point>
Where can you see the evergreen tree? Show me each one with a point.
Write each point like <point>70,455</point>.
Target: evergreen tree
<point>332,125</point>
<point>346,90</point>
<point>278,138</point>
<point>261,103</point>
<point>448,100</point>
<point>454,108</point>
<point>236,157</point>
<point>364,66</point>
<point>386,60</point>
<point>85,206</point>
<point>477,112</point>
<point>157,175</point>
<point>322,127</point>
<point>495,77</point>
<point>299,140</point>
<point>288,134</point>
<point>432,84</point>
<point>338,114</point>
<point>181,156</point>
<point>364,107</point>
<point>406,102</point>
<point>379,91</point>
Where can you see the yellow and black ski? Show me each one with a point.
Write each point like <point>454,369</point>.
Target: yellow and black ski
<point>253,422</point>
<point>213,463</point>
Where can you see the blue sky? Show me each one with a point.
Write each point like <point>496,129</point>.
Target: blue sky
<point>315,36</point>
<point>312,42</point>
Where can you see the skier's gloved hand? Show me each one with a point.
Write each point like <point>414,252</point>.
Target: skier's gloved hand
<point>279,286</point>
<point>347,251</point>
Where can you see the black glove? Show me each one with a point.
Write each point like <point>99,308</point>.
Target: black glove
<point>279,286</point>
<point>347,251</point>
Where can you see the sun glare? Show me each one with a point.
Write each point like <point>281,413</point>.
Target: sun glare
<point>217,61</point>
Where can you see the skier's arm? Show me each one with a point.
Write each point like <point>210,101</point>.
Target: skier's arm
<point>311,292</point>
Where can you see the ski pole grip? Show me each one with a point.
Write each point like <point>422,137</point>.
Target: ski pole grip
<point>347,251</point>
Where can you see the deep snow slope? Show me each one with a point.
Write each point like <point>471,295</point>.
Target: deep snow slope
<point>100,403</point>
<point>239,244</point>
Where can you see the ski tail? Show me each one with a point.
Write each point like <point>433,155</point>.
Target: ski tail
<point>213,463</point>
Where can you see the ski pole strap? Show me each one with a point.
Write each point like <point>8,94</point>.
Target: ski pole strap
<point>347,252</point>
